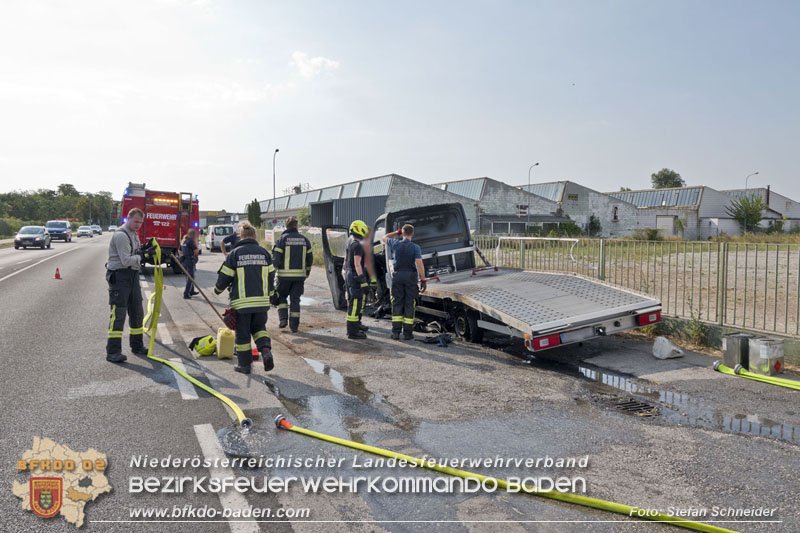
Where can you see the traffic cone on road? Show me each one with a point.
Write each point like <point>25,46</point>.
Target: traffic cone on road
<point>58,274</point>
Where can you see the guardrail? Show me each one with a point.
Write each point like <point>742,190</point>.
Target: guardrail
<point>747,285</point>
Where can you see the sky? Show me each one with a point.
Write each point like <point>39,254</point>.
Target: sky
<point>196,96</point>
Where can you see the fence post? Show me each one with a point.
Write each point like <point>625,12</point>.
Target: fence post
<point>722,282</point>
<point>521,254</point>
<point>601,268</point>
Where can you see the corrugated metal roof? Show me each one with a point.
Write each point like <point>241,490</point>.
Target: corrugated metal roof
<point>470,188</point>
<point>375,187</point>
<point>330,193</point>
<point>741,193</point>
<point>687,196</point>
<point>349,190</point>
<point>551,191</point>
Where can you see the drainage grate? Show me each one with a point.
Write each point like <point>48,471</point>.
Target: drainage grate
<point>636,407</point>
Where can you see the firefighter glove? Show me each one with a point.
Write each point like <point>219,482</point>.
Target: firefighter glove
<point>423,285</point>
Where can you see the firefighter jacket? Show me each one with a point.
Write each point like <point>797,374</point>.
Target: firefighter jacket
<point>292,255</point>
<point>249,271</point>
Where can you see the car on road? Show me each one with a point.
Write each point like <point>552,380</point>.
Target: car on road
<point>96,229</point>
<point>112,228</point>
<point>215,234</point>
<point>85,231</point>
<point>59,230</point>
<point>32,236</point>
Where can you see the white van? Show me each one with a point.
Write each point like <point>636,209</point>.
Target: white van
<point>215,234</point>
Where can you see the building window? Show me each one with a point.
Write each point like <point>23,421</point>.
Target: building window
<point>573,197</point>
<point>616,213</point>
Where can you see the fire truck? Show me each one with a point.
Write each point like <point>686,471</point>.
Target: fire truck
<point>167,217</point>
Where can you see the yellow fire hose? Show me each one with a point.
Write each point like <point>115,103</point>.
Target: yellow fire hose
<point>576,499</point>
<point>151,325</point>
<point>740,371</point>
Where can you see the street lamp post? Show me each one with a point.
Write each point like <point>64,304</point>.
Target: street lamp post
<point>528,211</point>
<point>274,215</point>
<point>745,194</point>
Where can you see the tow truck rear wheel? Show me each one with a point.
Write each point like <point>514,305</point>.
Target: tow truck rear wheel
<point>466,326</point>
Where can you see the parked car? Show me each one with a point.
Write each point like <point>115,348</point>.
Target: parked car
<point>32,236</point>
<point>59,230</point>
<point>85,231</point>
<point>215,234</point>
<point>97,229</point>
<point>112,228</point>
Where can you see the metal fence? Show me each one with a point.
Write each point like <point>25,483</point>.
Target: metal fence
<point>744,285</point>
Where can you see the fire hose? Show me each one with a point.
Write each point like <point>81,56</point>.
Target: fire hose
<point>151,326</point>
<point>576,499</point>
<point>740,371</point>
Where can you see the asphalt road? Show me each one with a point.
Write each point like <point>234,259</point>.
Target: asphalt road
<point>715,440</point>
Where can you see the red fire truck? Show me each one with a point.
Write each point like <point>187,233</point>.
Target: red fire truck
<point>167,217</point>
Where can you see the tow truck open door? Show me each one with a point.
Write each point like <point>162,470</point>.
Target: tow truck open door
<point>334,241</point>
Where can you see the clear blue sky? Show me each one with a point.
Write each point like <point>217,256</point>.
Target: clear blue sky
<point>197,95</point>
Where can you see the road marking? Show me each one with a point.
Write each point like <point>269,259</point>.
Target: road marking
<point>163,334</point>
<point>38,263</point>
<point>188,391</point>
<point>23,261</point>
<point>231,499</point>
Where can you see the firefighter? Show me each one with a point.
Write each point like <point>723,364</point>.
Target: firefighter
<point>408,271</point>
<point>355,267</point>
<point>292,258</point>
<point>125,259</point>
<point>248,268</point>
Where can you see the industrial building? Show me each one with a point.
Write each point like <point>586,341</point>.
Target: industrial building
<point>782,206</point>
<point>503,208</point>
<point>365,199</point>
<point>617,217</point>
<point>693,212</point>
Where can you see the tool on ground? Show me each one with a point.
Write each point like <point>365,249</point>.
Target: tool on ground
<point>740,371</point>
<point>58,274</point>
<point>585,501</point>
<point>241,439</point>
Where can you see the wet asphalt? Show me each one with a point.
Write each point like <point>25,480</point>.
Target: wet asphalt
<point>695,440</point>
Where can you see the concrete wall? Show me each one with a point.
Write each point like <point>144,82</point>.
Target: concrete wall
<point>580,203</point>
<point>405,193</point>
<point>502,199</point>
<point>689,218</point>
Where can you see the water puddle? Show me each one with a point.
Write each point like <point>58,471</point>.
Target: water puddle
<point>307,301</point>
<point>681,408</point>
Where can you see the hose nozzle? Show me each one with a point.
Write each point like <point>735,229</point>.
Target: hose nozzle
<point>282,423</point>
<point>246,423</point>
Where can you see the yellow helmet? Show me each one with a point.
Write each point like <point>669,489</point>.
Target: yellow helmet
<point>204,345</point>
<point>359,228</point>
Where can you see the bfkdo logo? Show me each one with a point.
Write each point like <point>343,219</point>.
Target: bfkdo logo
<point>46,495</point>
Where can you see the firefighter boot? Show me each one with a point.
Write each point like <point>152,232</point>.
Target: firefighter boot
<point>283,315</point>
<point>266,356</point>
<point>243,369</point>
<point>407,333</point>
<point>353,331</point>
<point>116,358</point>
<point>294,322</point>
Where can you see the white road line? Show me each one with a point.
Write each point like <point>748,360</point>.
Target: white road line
<point>38,263</point>
<point>23,261</point>
<point>188,391</point>
<point>229,499</point>
<point>163,334</point>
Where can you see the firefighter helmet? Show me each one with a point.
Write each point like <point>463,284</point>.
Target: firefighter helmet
<point>358,228</point>
<point>204,345</point>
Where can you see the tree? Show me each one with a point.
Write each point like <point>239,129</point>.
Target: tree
<point>303,217</point>
<point>747,211</point>
<point>254,213</point>
<point>67,189</point>
<point>593,227</point>
<point>624,189</point>
<point>666,178</point>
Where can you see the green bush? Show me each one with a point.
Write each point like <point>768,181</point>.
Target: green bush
<point>647,234</point>
<point>10,226</point>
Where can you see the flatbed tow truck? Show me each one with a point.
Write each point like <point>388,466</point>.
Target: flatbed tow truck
<point>545,309</point>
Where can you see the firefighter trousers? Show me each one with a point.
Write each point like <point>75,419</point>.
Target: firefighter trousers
<point>125,299</point>
<point>404,300</point>
<point>357,298</point>
<point>251,325</point>
<point>290,289</point>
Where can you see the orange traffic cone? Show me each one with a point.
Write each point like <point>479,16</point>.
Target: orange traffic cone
<point>58,274</point>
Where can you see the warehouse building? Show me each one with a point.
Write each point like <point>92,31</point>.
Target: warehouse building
<point>363,200</point>
<point>503,208</point>
<point>616,217</point>
<point>693,212</point>
<point>783,206</point>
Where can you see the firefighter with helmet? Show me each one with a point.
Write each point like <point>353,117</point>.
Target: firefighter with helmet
<point>292,258</point>
<point>355,267</point>
<point>248,268</point>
